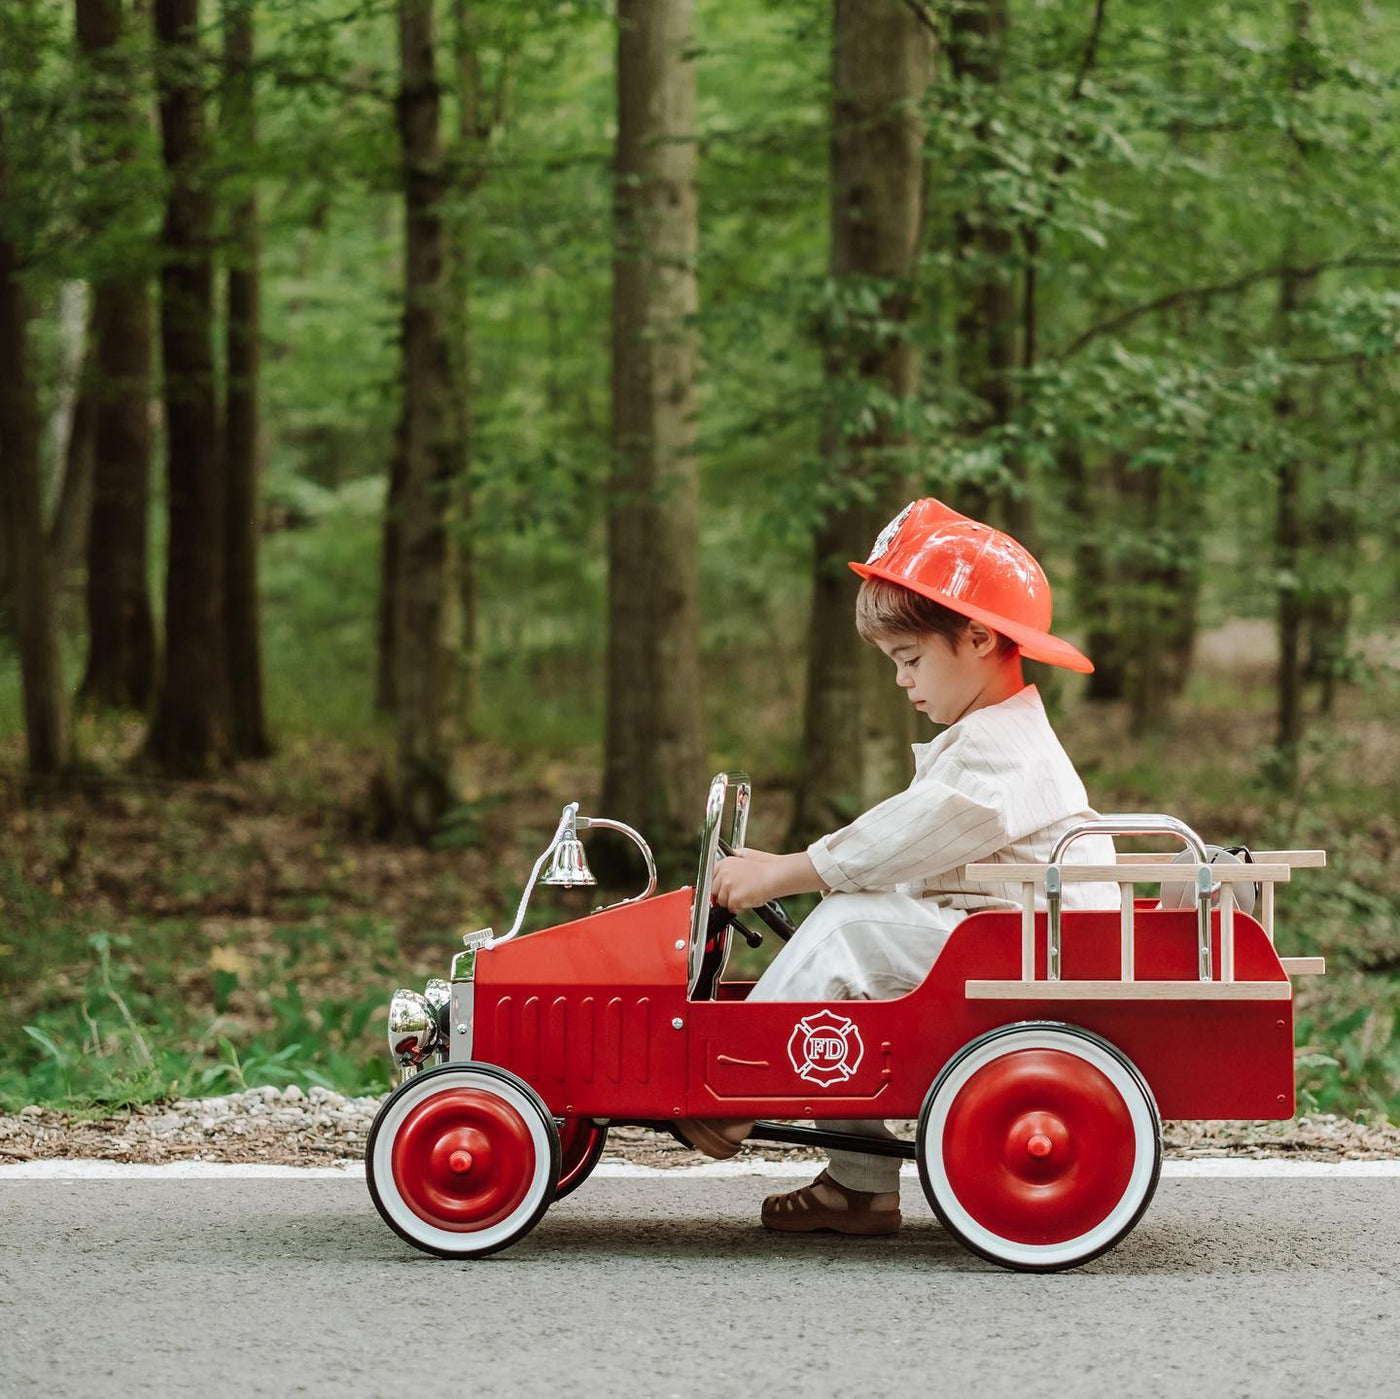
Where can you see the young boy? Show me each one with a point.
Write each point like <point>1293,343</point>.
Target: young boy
<point>955,605</point>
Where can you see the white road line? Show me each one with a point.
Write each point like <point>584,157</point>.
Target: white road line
<point>1219,1168</point>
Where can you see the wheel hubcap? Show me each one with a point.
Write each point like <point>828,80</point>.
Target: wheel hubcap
<point>463,1159</point>
<point>1039,1146</point>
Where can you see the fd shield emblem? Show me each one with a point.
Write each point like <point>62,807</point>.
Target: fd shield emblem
<point>825,1048</point>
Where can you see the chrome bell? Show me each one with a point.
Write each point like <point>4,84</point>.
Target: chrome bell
<point>568,869</point>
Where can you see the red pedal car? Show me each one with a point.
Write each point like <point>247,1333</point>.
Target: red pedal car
<point>1039,1056</point>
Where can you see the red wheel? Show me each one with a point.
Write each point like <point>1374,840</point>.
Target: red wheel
<point>462,1160</point>
<point>1039,1146</point>
<point>581,1143</point>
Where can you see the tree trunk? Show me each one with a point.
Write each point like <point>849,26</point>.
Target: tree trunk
<point>1288,543</point>
<point>984,248</point>
<point>1294,288</point>
<point>72,512</point>
<point>856,724</point>
<point>426,606</point>
<point>241,429</point>
<point>386,694</point>
<point>190,733</point>
<point>1093,592</point>
<point>473,127</point>
<point>654,756</point>
<point>1336,536</point>
<point>45,701</point>
<point>121,663</point>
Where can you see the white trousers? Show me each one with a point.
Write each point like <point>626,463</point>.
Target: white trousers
<point>860,947</point>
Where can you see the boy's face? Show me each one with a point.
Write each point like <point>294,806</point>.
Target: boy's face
<point>941,681</point>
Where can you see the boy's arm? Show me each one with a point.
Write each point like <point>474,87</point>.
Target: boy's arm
<point>745,881</point>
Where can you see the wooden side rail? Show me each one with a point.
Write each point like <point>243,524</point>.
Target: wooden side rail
<point>1142,874</point>
<point>1270,868</point>
<point>1294,859</point>
<point>1130,990</point>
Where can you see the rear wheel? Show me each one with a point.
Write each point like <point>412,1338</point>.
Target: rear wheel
<point>1039,1146</point>
<point>581,1143</point>
<point>462,1160</point>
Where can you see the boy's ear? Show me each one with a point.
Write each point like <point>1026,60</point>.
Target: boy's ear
<point>982,639</point>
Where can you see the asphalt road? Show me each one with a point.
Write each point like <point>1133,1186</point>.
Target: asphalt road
<point>666,1286</point>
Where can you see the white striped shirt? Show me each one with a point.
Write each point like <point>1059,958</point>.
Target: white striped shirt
<point>997,786</point>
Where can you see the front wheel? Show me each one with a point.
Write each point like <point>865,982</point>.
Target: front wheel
<point>462,1160</point>
<point>1039,1146</point>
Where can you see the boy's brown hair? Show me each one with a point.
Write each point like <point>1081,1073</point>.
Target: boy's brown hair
<point>884,610</point>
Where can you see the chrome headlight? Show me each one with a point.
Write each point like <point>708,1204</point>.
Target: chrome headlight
<point>438,994</point>
<point>414,1033</point>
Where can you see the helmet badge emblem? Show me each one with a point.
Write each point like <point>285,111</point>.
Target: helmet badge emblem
<point>825,1048</point>
<point>886,536</point>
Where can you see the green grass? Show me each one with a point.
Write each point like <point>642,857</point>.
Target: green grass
<point>106,1019</point>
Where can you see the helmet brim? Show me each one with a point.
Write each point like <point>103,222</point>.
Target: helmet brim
<point>1035,645</point>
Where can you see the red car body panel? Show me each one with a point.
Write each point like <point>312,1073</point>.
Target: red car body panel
<point>594,1015</point>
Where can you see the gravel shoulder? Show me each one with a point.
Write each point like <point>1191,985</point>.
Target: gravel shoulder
<point>293,1127</point>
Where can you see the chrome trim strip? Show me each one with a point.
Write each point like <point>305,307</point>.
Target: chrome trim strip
<point>463,1020</point>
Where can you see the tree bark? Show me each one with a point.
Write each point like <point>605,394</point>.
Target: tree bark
<point>425,627</point>
<point>654,756</point>
<point>474,125</point>
<point>984,256</point>
<point>190,732</point>
<point>1294,288</point>
<point>856,724</point>
<point>72,513</point>
<point>241,408</point>
<point>1288,544</point>
<point>121,663</point>
<point>45,701</point>
<point>1094,595</point>
<point>386,694</point>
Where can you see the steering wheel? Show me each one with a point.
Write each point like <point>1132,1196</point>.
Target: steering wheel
<point>773,914</point>
<point>710,924</point>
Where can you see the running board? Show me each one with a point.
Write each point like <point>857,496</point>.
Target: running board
<point>792,1136</point>
<point>830,1141</point>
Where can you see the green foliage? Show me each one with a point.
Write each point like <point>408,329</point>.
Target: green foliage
<point>1150,194</point>
<point>109,1019</point>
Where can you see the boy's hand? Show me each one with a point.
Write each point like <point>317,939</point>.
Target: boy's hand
<point>756,877</point>
<point>742,881</point>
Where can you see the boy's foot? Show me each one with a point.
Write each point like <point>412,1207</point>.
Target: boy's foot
<point>827,1204</point>
<point>718,1137</point>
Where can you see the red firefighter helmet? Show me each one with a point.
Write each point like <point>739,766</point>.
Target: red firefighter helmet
<point>974,570</point>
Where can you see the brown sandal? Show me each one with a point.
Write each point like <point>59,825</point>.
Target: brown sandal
<point>800,1212</point>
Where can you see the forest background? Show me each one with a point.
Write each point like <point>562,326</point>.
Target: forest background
<point>415,415</point>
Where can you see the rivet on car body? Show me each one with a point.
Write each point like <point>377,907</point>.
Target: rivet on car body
<point>677,1023</point>
<point>461,1029</point>
<point>680,944</point>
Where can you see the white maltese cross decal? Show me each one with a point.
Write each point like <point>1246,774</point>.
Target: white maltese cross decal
<point>825,1048</point>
